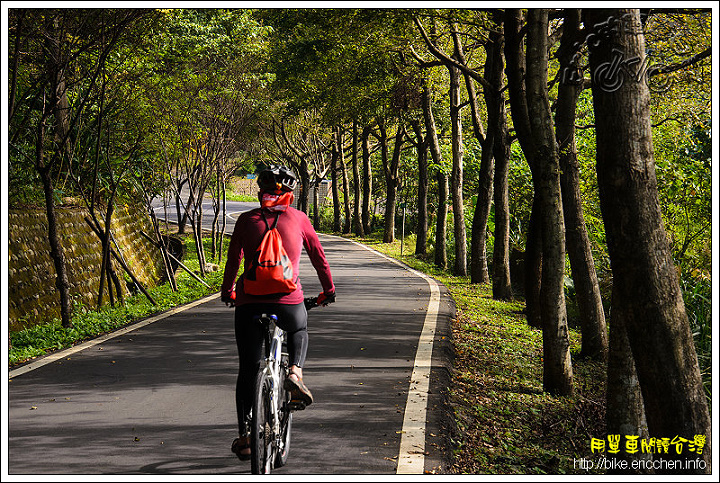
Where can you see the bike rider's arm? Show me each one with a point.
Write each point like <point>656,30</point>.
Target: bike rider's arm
<point>232,264</point>
<point>317,257</point>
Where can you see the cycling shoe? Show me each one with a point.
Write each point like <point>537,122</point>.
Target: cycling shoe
<point>298,392</point>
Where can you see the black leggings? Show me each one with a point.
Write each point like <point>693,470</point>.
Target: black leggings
<point>248,336</point>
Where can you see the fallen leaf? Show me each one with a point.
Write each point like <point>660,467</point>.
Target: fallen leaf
<point>33,407</point>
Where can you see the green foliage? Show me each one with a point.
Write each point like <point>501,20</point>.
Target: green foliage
<point>697,293</point>
<point>521,200</point>
<point>684,180</point>
<point>320,66</point>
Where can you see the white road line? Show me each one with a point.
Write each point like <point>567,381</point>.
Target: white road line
<point>411,457</point>
<point>85,345</point>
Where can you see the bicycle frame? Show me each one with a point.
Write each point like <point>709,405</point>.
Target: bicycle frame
<point>273,358</point>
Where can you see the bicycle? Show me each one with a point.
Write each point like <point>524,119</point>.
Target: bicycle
<point>271,416</point>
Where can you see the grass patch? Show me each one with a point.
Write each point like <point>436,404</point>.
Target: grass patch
<point>232,196</point>
<point>505,423</point>
<point>87,323</point>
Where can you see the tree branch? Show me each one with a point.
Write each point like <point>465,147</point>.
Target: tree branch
<point>445,59</point>
<point>666,69</point>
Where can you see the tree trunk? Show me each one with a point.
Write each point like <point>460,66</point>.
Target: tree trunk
<point>183,208</point>
<point>478,239</point>
<point>497,123</point>
<point>44,167</point>
<point>587,289</point>
<point>624,410</point>
<point>357,222</point>
<point>223,223</point>
<point>441,229</point>
<point>316,202</point>
<point>337,222</point>
<point>346,187</point>
<point>441,177</point>
<point>56,249</point>
<point>367,180</point>
<point>557,373</point>
<point>644,275</point>
<point>105,263</point>
<point>422,150</point>
<point>456,179</point>
<point>501,283</point>
<point>478,244</point>
<point>533,263</point>
<point>305,186</point>
<point>215,230</point>
<point>391,182</point>
<point>515,69</point>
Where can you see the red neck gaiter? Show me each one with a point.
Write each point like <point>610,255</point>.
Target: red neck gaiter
<point>276,200</point>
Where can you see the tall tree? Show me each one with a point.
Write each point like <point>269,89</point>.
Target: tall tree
<point>456,177</point>
<point>347,225</point>
<point>557,374</point>
<point>366,179</point>
<point>587,289</point>
<point>645,283</point>
<point>421,145</point>
<point>391,166</point>
<point>357,182</point>
<point>515,69</point>
<point>440,256</point>
<point>497,125</point>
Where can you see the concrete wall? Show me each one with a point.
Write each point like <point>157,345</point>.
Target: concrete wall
<point>32,296</point>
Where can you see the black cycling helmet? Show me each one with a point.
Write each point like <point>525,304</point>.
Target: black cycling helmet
<point>277,177</point>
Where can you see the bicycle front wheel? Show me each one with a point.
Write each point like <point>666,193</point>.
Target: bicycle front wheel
<point>261,437</point>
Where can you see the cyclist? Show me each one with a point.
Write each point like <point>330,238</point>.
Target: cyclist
<point>276,185</point>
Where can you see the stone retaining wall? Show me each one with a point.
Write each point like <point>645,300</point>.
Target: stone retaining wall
<point>32,296</point>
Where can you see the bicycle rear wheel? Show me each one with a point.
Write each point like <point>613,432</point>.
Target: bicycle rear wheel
<point>261,437</point>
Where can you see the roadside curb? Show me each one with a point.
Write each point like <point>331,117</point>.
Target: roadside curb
<point>428,394</point>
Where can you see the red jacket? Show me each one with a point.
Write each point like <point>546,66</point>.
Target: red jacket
<point>296,231</point>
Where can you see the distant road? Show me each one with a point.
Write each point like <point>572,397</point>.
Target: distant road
<point>234,208</point>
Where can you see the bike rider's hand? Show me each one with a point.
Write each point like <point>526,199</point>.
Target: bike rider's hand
<point>326,298</point>
<point>229,300</point>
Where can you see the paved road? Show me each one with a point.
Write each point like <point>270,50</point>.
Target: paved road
<point>160,399</point>
<point>233,209</point>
